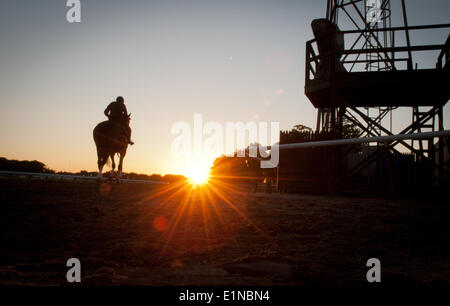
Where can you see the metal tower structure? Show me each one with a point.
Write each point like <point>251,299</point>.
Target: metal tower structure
<point>360,74</point>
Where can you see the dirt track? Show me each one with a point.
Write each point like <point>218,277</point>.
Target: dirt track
<point>162,235</point>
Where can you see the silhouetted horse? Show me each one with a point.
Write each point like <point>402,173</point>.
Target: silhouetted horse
<point>111,138</point>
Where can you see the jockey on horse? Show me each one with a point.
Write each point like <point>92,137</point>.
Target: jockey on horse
<point>117,114</point>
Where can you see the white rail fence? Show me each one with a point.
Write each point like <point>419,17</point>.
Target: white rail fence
<point>68,177</point>
<point>337,142</point>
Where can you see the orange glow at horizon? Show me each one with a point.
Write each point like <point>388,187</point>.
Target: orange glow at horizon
<point>198,175</point>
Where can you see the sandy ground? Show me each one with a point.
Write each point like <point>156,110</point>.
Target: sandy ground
<point>130,234</point>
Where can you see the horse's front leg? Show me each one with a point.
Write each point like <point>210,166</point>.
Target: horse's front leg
<point>101,162</point>
<point>121,157</point>
<point>113,164</point>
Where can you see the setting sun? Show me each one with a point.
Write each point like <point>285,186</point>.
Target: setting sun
<point>199,175</point>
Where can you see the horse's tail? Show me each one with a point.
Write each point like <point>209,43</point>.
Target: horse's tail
<point>99,133</point>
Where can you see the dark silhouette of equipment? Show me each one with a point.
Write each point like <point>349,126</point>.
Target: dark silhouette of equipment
<point>361,74</point>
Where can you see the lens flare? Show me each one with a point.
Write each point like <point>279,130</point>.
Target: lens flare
<point>160,223</point>
<point>198,175</point>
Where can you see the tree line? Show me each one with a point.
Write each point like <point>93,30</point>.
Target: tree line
<point>39,167</point>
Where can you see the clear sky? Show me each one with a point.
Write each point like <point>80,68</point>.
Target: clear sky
<point>229,60</point>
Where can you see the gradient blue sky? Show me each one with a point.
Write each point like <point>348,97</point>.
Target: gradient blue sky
<point>229,60</point>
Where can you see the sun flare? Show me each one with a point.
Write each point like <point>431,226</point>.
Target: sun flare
<point>198,175</point>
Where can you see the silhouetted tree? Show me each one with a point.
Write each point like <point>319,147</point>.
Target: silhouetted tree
<point>349,129</point>
<point>23,165</point>
<point>302,128</point>
<point>172,178</point>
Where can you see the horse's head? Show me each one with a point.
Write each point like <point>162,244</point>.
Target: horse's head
<point>128,119</point>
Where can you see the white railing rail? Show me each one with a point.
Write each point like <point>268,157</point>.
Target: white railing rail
<point>337,142</point>
<point>70,177</point>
